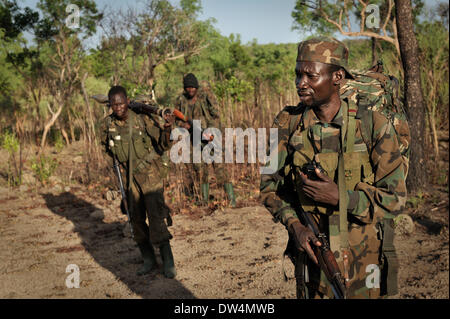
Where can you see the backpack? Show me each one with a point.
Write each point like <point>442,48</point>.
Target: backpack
<point>380,92</point>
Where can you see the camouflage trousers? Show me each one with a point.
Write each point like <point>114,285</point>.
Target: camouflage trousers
<point>147,202</point>
<point>317,287</point>
<point>199,173</point>
<point>311,282</point>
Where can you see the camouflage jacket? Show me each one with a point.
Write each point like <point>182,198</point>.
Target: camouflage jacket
<point>148,141</point>
<point>205,108</point>
<point>374,198</point>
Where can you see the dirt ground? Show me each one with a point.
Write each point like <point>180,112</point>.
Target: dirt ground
<point>229,253</point>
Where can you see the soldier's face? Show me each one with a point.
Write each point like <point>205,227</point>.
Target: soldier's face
<point>314,82</point>
<point>191,92</point>
<point>119,105</point>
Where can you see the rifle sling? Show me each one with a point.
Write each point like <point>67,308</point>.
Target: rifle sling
<point>130,160</point>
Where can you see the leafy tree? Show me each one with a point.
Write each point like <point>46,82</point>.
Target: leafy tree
<point>153,36</point>
<point>64,45</point>
<point>327,17</point>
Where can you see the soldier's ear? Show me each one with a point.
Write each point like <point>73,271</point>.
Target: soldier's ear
<point>338,76</point>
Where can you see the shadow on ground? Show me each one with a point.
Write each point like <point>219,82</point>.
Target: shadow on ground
<point>106,243</point>
<point>432,227</point>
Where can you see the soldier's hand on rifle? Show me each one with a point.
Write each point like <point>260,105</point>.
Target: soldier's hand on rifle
<point>324,190</point>
<point>304,237</point>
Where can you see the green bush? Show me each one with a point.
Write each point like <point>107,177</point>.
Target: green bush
<point>11,143</point>
<point>44,167</point>
<point>59,143</point>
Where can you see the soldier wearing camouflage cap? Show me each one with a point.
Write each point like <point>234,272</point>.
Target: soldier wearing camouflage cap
<point>362,185</point>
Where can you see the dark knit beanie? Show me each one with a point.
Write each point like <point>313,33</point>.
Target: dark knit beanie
<point>190,81</point>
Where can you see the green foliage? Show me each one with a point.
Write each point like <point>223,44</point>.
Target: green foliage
<point>443,177</point>
<point>14,21</point>
<point>235,88</point>
<point>415,201</point>
<point>434,49</point>
<point>11,144</point>
<point>307,18</point>
<point>54,18</point>
<point>58,143</point>
<point>315,15</point>
<point>44,167</point>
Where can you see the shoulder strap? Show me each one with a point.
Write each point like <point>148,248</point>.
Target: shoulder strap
<point>366,127</point>
<point>295,120</point>
<point>351,129</point>
<point>348,113</point>
<point>130,160</point>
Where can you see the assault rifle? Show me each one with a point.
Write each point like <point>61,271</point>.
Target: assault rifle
<point>123,203</point>
<point>137,106</point>
<point>148,109</point>
<point>325,256</point>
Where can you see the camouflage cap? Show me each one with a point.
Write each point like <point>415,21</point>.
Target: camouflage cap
<point>326,50</point>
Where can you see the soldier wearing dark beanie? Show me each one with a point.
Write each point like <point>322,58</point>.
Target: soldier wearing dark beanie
<point>199,102</point>
<point>190,81</point>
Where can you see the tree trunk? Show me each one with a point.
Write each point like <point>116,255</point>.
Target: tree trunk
<point>374,50</point>
<point>71,130</point>
<point>91,132</point>
<point>413,93</point>
<point>49,124</point>
<point>66,137</point>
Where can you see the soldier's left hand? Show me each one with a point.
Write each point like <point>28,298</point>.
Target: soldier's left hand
<point>324,190</point>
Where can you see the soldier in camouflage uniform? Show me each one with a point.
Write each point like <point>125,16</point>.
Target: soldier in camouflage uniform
<point>199,103</point>
<point>361,189</point>
<point>139,143</point>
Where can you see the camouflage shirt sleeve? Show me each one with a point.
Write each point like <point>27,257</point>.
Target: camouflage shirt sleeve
<point>275,191</point>
<point>178,104</point>
<point>386,197</point>
<point>154,125</point>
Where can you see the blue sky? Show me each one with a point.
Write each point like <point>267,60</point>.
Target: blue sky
<point>264,20</point>
<point>267,21</point>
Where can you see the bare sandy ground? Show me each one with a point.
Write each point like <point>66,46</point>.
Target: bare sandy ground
<point>231,253</point>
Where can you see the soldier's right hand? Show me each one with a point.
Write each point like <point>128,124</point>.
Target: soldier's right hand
<point>303,237</point>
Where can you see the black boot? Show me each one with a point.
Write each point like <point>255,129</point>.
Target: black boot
<point>167,258</point>
<point>148,254</point>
